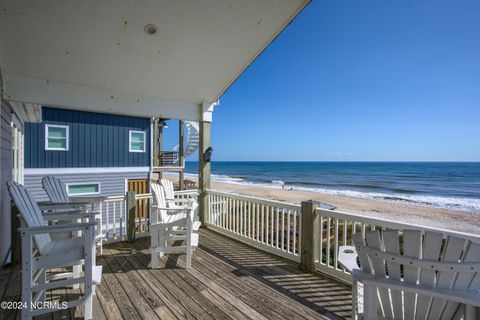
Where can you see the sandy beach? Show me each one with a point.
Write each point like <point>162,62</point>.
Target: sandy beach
<point>417,214</point>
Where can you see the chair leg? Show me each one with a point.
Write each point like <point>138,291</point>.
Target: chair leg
<point>76,274</point>
<point>27,276</point>
<point>354,299</point>
<point>471,312</point>
<point>370,301</point>
<point>189,248</point>
<point>155,260</point>
<point>42,280</point>
<point>89,264</point>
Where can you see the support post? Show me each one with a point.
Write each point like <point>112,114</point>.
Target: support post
<point>203,165</point>
<point>310,236</point>
<point>131,206</point>
<point>155,143</point>
<point>181,157</point>
<point>160,149</point>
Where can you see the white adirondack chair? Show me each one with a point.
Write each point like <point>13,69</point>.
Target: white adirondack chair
<point>59,199</point>
<point>168,225</point>
<point>415,275</point>
<point>50,254</point>
<point>172,197</point>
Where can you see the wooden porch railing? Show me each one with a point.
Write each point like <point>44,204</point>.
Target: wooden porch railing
<point>272,226</point>
<point>276,227</point>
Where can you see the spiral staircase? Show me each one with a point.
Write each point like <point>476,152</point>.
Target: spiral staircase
<point>192,141</point>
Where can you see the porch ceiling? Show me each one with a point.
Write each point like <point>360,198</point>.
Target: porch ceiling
<point>96,55</point>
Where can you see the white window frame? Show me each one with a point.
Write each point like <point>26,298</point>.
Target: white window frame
<point>67,136</point>
<point>130,141</point>
<point>83,183</point>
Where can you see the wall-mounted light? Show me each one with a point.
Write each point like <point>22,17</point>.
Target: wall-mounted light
<point>207,155</point>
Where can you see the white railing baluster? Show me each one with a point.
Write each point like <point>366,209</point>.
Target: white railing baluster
<point>288,230</point>
<point>107,218</point>
<point>263,223</point>
<point>114,212</point>
<point>328,241</point>
<point>321,239</point>
<point>122,234</point>
<point>335,254</point>
<point>283,230</point>
<point>294,232</point>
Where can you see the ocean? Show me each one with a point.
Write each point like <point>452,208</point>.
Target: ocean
<point>454,185</point>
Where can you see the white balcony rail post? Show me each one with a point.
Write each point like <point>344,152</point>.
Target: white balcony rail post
<point>310,250</point>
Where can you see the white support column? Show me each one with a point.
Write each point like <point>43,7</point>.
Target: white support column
<point>206,111</point>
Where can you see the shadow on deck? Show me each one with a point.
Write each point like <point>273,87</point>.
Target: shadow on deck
<point>228,280</point>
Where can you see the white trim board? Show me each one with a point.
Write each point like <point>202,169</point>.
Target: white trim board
<point>57,171</point>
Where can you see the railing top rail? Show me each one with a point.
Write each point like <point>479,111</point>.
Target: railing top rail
<point>273,203</point>
<point>114,198</point>
<point>394,224</point>
<point>143,196</point>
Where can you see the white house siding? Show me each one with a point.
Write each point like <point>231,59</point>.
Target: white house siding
<point>5,175</point>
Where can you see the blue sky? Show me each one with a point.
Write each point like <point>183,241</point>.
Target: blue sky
<point>362,80</point>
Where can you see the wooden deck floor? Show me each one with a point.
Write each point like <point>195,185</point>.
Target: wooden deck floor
<point>228,280</point>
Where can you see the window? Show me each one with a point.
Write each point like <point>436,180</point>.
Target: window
<point>80,189</point>
<point>56,137</point>
<point>137,141</point>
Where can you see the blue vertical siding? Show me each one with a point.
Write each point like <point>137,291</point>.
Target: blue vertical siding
<point>96,140</point>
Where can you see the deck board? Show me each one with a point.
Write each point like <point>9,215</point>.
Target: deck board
<point>228,280</point>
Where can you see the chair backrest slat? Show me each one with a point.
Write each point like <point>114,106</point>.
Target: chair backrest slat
<point>452,253</point>
<point>168,188</point>
<point>432,244</point>
<point>56,189</point>
<point>30,212</point>
<point>426,259</point>
<point>412,247</point>
<point>373,240</point>
<point>159,200</point>
<point>392,245</point>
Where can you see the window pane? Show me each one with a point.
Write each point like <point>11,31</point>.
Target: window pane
<point>137,146</point>
<point>57,143</point>
<point>136,137</point>
<point>54,132</point>
<point>83,188</point>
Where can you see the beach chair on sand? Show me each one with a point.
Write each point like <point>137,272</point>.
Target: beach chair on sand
<point>172,230</point>
<point>60,200</point>
<point>41,253</point>
<point>413,275</point>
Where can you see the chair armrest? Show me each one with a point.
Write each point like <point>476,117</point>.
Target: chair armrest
<point>87,199</point>
<point>68,215</point>
<point>155,206</point>
<point>56,228</point>
<point>181,200</point>
<point>347,257</point>
<point>49,206</point>
<point>186,192</point>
